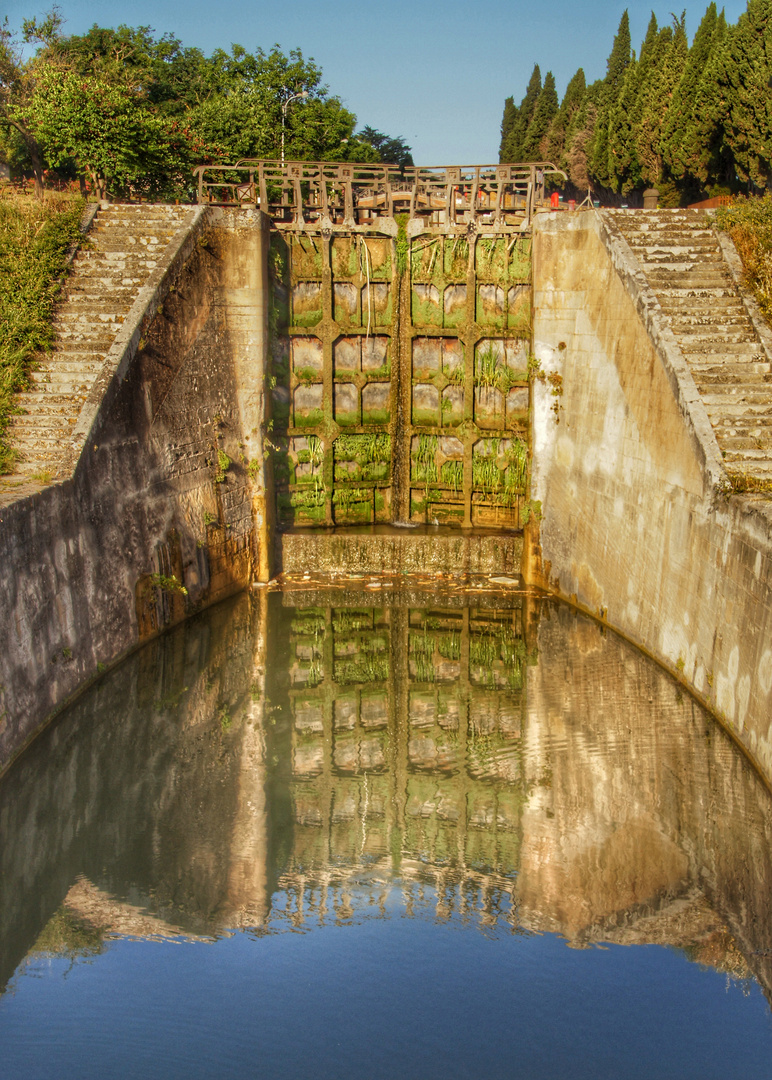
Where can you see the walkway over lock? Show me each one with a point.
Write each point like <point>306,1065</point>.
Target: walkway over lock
<point>501,197</point>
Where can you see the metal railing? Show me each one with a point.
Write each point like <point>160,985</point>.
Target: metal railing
<point>351,194</point>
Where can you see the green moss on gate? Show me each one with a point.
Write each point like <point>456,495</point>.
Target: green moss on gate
<point>310,419</point>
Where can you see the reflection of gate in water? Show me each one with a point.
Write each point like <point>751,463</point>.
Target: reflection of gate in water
<point>406,747</point>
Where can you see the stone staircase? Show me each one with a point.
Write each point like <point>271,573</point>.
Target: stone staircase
<point>681,257</point>
<point>122,248</point>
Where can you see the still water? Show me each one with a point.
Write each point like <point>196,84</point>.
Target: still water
<point>350,835</point>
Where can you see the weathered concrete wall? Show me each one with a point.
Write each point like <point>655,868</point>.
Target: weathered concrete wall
<point>170,484</point>
<point>638,526</point>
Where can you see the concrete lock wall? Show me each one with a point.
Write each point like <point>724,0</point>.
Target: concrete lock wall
<point>638,525</point>
<point>169,483</point>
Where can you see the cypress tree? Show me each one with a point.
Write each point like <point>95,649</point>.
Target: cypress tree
<point>680,140</point>
<point>708,159</point>
<point>744,83</point>
<point>579,138</point>
<point>657,93</point>
<point>508,121</point>
<point>571,103</point>
<point>543,114</point>
<point>624,120</point>
<point>617,64</point>
<point>513,149</point>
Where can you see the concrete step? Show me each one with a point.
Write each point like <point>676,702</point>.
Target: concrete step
<point>745,443</point>
<point>67,319</point>
<point>114,263</point>
<point>80,306</point>
<point>63,362</point>
<point>35,424</point>
<point>742,350</point>
<point>689,269</point>
<point>708,371</point>
<point>692,324</point>
<point>757,393</point>
<point>721,335</point>
<point>51,399</point>
<point>674,293</point>
<point>82,341</point>
<point>673,300</point>
<point>64,386</point>
<point>696,281</point>
<point>127,244</point>
<point>759,455</point>
<point>747,412</point>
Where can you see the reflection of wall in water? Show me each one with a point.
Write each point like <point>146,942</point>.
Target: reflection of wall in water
<point>151,786</point>
<point>195,785</point>
<point>643,822</point>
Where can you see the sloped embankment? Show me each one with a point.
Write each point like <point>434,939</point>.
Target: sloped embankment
<point>723,339</point>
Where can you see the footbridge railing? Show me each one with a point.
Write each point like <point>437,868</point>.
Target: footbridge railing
<point>352,194</point>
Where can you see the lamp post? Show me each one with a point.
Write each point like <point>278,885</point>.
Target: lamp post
<point>284,104</point>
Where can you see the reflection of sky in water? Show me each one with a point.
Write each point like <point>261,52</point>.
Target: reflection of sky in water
<point>346,840</point>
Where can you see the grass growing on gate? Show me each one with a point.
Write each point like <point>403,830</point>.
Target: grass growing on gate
<point>35,238</point>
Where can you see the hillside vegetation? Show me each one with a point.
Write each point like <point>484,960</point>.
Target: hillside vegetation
<point>749,223</point>
<point>35,237</point>
<point>691,120</point>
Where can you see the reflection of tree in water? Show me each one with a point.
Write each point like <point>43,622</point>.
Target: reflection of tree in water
<point>275,764</point>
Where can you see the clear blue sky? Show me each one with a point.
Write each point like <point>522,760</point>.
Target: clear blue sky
<point>434,72</point>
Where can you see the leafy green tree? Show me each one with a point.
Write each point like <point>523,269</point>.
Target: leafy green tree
<point>243,114</point>
<point>159,70</point>
<point>392,151</point>
<point>17,86</point>
<point>102,128</point>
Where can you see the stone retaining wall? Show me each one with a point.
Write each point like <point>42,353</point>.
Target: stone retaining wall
<point>638,524</point>
<point>169,485</point>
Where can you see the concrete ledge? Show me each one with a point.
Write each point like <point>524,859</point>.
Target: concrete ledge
<point>385,550</point>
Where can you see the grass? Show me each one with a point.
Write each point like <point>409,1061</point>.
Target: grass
<point>364,669</point>
<point>742,484</point>
<point>425,462</point>
<point>364,449</point>
<point>35,238</point>
<point>507,483</point>
<point>486,474</point>
<point>490,371</point>
<point>749,223</point>
<point>452,475</point>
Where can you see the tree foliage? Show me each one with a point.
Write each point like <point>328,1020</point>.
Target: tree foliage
<point>133,113</point>
<point>688,119</point>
